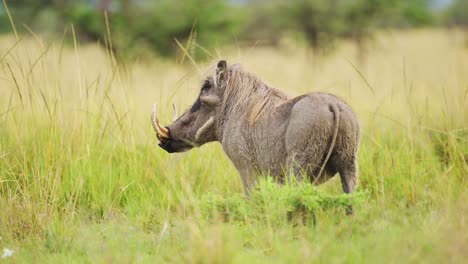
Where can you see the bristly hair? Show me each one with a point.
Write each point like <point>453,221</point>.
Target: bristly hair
<point>245,93</point>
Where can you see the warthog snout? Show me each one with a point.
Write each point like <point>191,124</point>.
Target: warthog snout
<point>166,141</point>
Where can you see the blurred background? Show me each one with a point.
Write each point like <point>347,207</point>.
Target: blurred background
<point>139,28</point>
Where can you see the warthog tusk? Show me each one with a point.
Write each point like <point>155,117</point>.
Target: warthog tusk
<point>203,128</point>
<point>161,132</point>
<point>174,117</point>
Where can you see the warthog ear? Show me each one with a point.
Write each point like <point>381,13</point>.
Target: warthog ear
<point>221,70</point>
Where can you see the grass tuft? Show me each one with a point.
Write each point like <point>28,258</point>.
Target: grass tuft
<point>276,203</point>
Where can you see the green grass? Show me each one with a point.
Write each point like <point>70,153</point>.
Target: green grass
<point>82,180</point>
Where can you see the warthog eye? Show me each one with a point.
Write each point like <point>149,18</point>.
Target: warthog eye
<point>206,86</point>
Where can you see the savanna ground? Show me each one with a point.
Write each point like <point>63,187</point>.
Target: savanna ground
<point>82,180</point>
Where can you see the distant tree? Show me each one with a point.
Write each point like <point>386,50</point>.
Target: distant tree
<point>457,14</point>
<point>264,22</point>
<point>139,25</point>
<point>319,20</point>
<point>360,19</point>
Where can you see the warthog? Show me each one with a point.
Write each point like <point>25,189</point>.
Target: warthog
<point>264,132</point>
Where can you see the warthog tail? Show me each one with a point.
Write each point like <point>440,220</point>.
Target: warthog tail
<point>336,125</point>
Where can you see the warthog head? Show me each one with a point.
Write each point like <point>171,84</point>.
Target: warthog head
<point>197,125</point>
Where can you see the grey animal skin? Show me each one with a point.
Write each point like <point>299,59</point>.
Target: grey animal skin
<point>264,132</point>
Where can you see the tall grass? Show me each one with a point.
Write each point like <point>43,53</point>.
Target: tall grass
<point>81,177</point>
